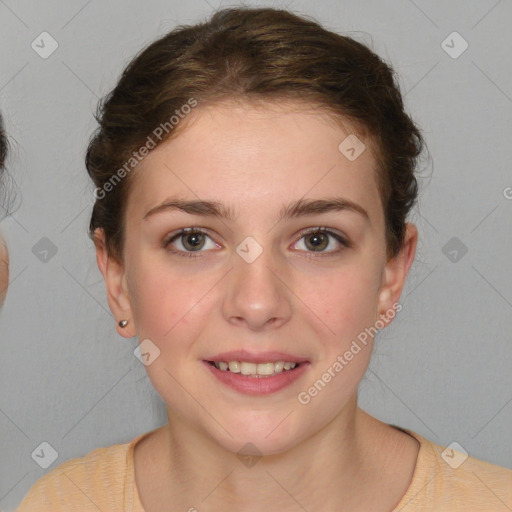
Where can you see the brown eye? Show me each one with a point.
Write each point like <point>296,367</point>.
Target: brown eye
<point>193,241</point>
<point>188,241</point>
<point>317,240</point>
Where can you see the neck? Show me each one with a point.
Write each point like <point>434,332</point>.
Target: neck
<point>205,476</point>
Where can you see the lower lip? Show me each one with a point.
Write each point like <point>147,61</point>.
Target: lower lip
<point>258,385</point>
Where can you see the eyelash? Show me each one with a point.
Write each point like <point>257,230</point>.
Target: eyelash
<point>309,254</point>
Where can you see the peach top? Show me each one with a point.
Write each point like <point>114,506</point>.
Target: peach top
<point>104,480</point>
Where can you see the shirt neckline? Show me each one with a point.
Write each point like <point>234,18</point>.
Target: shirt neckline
<point>425,465</point>
<point>132,501</point>
<point>423,470</point>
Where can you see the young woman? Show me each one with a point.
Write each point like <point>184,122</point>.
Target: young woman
<point>4,255</point>
<point>253,177</point>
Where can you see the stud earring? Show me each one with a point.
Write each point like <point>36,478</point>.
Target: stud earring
<point>123,323</point>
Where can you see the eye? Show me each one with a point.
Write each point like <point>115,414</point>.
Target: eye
<point>318,239</point>
<point>189,240</point>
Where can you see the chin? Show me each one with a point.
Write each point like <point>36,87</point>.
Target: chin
<point>255,445</point>
<point>268,437</point>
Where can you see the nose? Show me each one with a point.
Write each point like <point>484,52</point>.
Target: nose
<point>257,297</point>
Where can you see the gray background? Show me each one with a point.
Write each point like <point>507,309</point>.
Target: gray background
<point>442,369</point>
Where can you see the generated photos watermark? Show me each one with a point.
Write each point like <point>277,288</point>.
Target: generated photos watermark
<point>305,397</point>
<point>151,142</point>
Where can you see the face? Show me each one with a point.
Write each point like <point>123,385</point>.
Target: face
<point>259,276</point>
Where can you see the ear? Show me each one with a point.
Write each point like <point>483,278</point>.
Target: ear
<point>394,276</point>
<point>115,280</point>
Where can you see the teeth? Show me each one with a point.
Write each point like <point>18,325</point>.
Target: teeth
<point>248,368</point>
<point>265,368</point>
<point>255,369</point>
<point>234,366</point>
<point>278,367</point>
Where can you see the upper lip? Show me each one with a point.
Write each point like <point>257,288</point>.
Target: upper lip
<point>255,357</point>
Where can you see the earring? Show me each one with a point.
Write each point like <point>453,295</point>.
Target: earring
<point>123,323</point>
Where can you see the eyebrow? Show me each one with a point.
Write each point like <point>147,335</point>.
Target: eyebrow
<point>299,208</point>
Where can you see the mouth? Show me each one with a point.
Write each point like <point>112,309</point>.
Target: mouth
<point>256,374</point>
<point>255,370</point>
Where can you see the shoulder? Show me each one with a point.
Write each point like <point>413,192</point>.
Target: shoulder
<point>446,478</point>
<point>95,481</point>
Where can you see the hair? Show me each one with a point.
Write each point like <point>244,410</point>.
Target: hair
<point>3,147</point>
<point>252,54</point>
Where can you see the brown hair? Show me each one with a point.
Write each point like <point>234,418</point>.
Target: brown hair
<point>253,54</point>
<point>3,147</point>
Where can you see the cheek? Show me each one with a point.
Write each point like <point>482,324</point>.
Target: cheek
<point>346,304</point>
<point>344,301</point>
<point>163,299</point>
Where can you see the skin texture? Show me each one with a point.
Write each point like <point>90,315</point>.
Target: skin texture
<point>254,160</point>
<point>4,269</point>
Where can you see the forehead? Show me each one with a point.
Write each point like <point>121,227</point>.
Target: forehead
<point>253,155</point>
